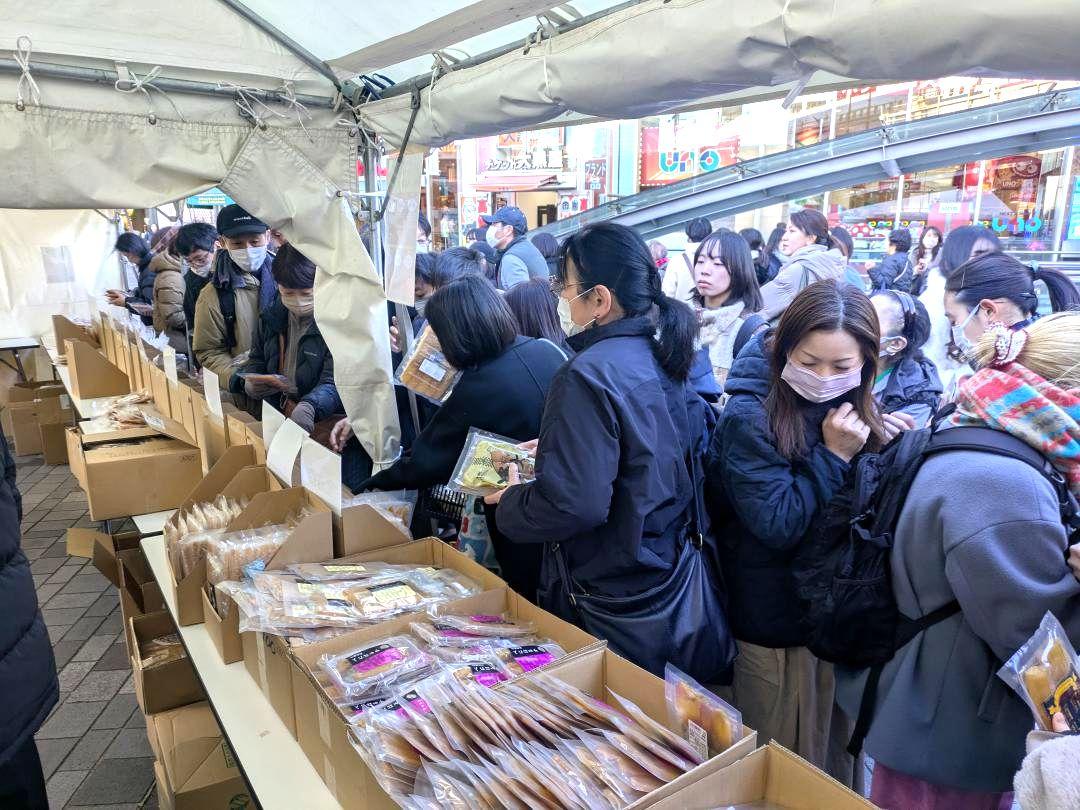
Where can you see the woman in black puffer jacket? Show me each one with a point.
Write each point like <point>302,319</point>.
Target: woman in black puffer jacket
<point>27,670</point>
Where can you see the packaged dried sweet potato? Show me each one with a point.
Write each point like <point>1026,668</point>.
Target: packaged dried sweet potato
<point>162,650</point>
<point>519,660</point>
<point>484,464</point>
<point>425,370</point>
<point>376,666</point>
<point>380,600</point>
<point>711,724</point>
<point>1045,673</point>
<point>332,571</point>
<point>481,625</point>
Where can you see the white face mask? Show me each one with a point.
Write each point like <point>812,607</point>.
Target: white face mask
<point>420,306</point>
<point>423,247</point>
<point>249,259</point>
<point>299,305</point>
<point>566,319</point>
<point>962,342</point>
<point>201,272</point>
<point>491,238</point>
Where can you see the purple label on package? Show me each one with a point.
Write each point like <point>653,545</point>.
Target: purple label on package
<point>485,619</point>
<point>530,658</point>
<point>416,703</point>
<point>453,632</point>
<point>486,674</point>
<point>375,657</point>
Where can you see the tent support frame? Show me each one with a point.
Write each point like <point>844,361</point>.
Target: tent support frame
<point>52,70</point>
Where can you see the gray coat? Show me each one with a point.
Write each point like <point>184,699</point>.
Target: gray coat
<point>986,531</point>
<point>520,262</point>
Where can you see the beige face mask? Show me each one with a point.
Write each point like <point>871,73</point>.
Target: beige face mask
<point>301,305</point>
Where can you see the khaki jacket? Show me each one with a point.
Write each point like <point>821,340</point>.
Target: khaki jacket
<point>208,340</point>
<point>168,312</point>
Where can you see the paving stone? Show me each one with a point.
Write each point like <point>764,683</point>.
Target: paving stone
<point>88,750</point>
<point>57,633</point>
<point>116,657</point>
<point>36,542</point>
<point>94,647</point>
<point>137,720</point>
<point>73,673</point>
<point>40,579</point>
<point>70,600</point>
<point>71,720</point>
<point>64,576</point>
<point>53,525</point>
<point>46,565</point>
<point>52,753</point>
<point>120,709</point>
<point>108,807</point>
<point>86,583</point>
<point>128,688</point>
<point>45,594</point>
<point>116,780</point>
<point>57,549</point>
<point>62,785</point>
<point>129,743</point>
<point>32,553</point>
<point>99,685</point>
<point>114,623</point>
<point>63,650</point>
<point>104,604</point>
<point>54,617</point>
<point>83,628</point>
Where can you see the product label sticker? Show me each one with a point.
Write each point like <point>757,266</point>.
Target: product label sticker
<point>433,369</point>
<point>363,706</point>
<point>344,569</point>
<point>530,658</point>
<point>698,739</point>
<point>414,701</point>
<point>394,594</point>
<point>486,674</point>
<point>375,657</point>
<point>1066,701</point>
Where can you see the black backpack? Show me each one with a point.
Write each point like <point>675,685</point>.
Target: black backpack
<point>843,571</point>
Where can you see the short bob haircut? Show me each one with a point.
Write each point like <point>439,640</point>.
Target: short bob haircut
<point>734,251</point>
<point>292,269</point>
<point>196,236</point>
<point>471,320</point>
<point>134,244</point>
<point>901,239</point>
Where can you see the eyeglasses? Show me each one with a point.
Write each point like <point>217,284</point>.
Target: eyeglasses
<point>557,287</point>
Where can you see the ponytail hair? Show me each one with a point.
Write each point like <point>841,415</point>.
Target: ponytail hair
<point>813,223</point>
<point>618,258</point>
<point>998,275</point>
<point>1051,349</point>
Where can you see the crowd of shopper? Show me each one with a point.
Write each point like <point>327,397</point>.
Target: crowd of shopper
<point>698,421</point>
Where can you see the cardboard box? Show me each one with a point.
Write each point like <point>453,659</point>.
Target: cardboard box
<point>363,528</point>
<point>598,670</point>
<point>137,580</point>
<point>186,397</point>
<point>31,405</point>
<point>771,774</point>
<point>92,375</point>
<point>65,329</point>
<point>54,443</point>
<point>159,387</point>
<point>310,541</point>
<point>136,477</point>
<point>236,428</point>
<point>167,686</point>
<point>80,542</point>
<point>255,439</point>
<point>267,660</point>
<point>234,477</point>
<point>73,443</point>
<point>195,768</point>
<point>106,547</point>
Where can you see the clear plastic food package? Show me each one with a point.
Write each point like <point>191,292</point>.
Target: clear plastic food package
<point>376,666</point>
<point>162,650</point>
<point>482,625</point>
<point>711,724</point>
<point>332,571</point>
<point>519,660</point>
<point>484,464</point>
<point>425,370</point>
<point>397,505</point>
<point>1045,673</point>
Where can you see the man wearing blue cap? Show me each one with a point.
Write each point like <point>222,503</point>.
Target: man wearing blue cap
<point>518,259</point>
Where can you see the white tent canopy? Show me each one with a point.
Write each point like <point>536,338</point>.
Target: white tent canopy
<point>133,104</point>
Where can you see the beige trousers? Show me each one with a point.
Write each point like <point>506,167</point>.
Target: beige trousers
<point>788,696</point>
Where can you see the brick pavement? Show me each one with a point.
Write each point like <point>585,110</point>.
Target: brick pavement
<point>93,746</point>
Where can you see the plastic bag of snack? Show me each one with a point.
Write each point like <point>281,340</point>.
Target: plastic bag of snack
<point>617,767</point>
<point>444,582</point>
<point>380,600</point>
<point>230,555</point>
<point>519,660</point>
<point>658,732</point>
<point>1045,673</point>
<point>398,506</point>
<point>425,371</point>
<point>481,625</point>
<point>162,650</point>
<point>711,725</point>
<point>484,464</point>
<point>374,666</point>
<point>332,571</point>
<point>487,671</point>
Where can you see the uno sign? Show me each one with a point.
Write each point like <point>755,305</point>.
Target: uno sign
<point>690,161</point>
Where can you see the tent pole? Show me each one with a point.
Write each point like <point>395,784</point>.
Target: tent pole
<point>109,77</point>
<point>297,50</point>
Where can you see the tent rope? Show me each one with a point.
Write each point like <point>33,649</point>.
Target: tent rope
<point>288,96</point>
<point>23,48</point>
<point>128,81</point>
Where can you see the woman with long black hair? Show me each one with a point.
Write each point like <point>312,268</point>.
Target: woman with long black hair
<point>617,496</point>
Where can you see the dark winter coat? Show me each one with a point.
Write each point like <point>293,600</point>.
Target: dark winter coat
<point>914,387</point>
<point>893,273</point>
<point>503,396</point>
<point>763,504</point>
<point>27,669</point>
<point>314,364</point>
<point>612,493</point>
<point>193,285</point>
<point>144,290</point>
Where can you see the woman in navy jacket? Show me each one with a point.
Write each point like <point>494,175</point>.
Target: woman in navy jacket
<point>801,407</point>
<point>612,496</point>
<point>505,379</point>
<point>27,670</point>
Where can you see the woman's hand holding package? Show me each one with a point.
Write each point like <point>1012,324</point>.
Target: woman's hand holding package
<point>515,478</point>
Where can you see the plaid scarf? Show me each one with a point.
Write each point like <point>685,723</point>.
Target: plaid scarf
<point>1018,401</point>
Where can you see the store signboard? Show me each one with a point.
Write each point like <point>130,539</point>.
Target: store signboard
<point>211,198</point>
<point>673,150</point>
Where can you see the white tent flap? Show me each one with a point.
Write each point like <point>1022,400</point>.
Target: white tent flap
<point>399,233</point>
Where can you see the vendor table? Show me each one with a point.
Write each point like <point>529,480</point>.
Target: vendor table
<point>275,769</point>
<point>13,345</point>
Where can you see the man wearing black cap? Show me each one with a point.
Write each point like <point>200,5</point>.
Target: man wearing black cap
<point>518,258</point>
<point>241,285</point>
